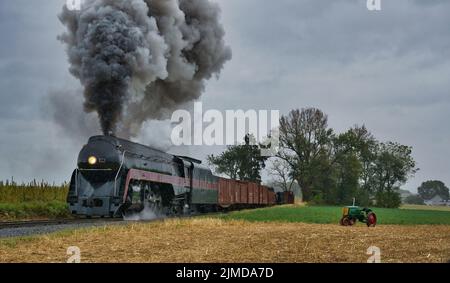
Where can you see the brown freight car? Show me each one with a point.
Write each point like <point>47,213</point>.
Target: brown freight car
<point>272,197</point>
<point>289,198</point>
<point>252,193</point>
<point>225,192</point>
<point>244,192</point>
<point>240,194</point>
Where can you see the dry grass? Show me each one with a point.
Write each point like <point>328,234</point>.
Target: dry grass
<point>425,207</point>
<point>215,240</point>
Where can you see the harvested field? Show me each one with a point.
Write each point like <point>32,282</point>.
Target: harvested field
<point>216,240</point>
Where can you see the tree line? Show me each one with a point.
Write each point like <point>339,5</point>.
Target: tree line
<point>427,191</point>
<point>330,168</point>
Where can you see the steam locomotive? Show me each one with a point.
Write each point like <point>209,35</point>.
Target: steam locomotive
<point>116,177</point>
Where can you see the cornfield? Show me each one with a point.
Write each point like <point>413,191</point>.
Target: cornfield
<point>12,193</point>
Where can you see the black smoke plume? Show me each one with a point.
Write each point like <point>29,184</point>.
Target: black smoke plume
<point>139,59</point>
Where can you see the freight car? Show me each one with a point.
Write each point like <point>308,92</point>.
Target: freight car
<point>115,177</point>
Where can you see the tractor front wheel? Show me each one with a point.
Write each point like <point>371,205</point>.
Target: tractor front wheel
<point>371,219</point>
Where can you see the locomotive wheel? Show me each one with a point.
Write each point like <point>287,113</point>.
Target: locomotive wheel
<point>155,201</point>
<point>371,219</point>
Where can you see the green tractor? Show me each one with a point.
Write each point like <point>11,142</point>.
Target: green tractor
<point>350,214</point>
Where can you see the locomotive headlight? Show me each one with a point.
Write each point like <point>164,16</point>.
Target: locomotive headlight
<point>92,160</point>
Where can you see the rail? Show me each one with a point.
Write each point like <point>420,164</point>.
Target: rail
<point>37,223</point>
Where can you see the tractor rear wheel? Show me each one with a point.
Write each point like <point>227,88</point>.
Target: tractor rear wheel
<point>351,221</point>
<point>371,219</point>
<point>345,221</point>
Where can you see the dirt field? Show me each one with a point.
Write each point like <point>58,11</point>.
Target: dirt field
<point>215,240</point>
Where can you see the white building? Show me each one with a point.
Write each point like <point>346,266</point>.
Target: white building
<point>436,200</point>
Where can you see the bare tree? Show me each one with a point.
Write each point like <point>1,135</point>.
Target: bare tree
<point>281,172</point>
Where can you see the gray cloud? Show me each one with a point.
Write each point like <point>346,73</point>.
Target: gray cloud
<point>388,70</point>
<point>138,58</point>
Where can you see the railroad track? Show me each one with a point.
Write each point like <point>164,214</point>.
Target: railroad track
<point>37,223</point>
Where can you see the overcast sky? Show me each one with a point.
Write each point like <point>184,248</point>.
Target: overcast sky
<point>388,70</point>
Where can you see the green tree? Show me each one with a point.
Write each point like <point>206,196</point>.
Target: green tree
<point>388,198</point>
<point>348,171</point>
<point>243,162</point>
<point>305,146</point>
<point>414,199</point>
<point>365,146</point>
<point>430,189</point>
<point>334,168</point>
<point>351,152</point>
<point>392,166</point>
